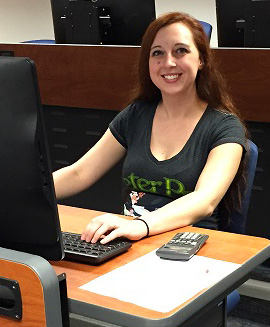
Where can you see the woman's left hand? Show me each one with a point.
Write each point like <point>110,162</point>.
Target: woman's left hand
<point>109,226</point>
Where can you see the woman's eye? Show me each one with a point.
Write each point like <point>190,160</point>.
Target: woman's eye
<point>181,51</point>
<point>157,53</point>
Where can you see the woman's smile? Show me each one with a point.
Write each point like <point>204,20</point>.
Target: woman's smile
<point>171,77</point>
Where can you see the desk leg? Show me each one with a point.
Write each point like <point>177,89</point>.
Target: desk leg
<point>64,300</point>
<point>215,316</point>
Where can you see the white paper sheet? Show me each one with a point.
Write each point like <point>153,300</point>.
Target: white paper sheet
<point>158,284</point>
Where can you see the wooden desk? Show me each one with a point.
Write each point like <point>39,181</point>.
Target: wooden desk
<point>245,250</point>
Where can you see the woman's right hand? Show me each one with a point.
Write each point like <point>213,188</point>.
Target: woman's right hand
<point>109,226</point>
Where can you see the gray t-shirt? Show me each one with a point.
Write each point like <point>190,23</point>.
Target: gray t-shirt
<point>153,183</point>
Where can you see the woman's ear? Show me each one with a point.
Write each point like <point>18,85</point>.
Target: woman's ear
<point>201,63</point>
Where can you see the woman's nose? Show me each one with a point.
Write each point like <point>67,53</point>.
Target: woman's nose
<point>170,60</point>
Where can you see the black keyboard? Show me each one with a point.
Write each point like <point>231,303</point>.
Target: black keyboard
<point>77,250</point>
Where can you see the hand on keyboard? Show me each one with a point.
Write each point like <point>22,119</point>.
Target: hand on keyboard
<point>93,254</point>
<point>107,227</point>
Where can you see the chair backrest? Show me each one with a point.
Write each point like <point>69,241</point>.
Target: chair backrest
<point>29,291</point>
<point>207,29</point>
<point>238,219</point>
<point>43,41</point>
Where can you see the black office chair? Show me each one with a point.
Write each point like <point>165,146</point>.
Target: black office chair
<point>238,218</point>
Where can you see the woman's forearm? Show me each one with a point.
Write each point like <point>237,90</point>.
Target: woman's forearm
<point>179,213</point>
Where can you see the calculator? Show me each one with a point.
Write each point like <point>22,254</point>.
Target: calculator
<point>182,246</point>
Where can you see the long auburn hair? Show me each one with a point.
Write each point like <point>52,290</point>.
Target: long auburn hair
<point>210,85</point>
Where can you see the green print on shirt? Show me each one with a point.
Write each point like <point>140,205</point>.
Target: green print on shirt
<point>172,186</point>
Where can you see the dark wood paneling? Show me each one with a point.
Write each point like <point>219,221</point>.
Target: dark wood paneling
<point>81,76</point>
<point>247,72</point>
<point>102,76</point>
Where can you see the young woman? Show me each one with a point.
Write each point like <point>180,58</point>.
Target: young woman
<point>182,140</point>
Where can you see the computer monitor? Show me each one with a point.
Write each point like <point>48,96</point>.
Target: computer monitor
<point>29,219</point>
<point>243,23</point>
<point>230,20</point>
<point>114,22</point>
<point>257,24</point>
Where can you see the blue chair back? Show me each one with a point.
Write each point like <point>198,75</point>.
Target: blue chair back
<point>238,219</point>
<point>207,29</point>
<point>42,41</point>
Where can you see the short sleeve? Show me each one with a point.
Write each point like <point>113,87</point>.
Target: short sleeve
<point>131,121</point>
<point>229,130</point>
<point>118,126</point>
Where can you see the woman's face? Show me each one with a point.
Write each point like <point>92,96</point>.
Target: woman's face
<point>174,60</point>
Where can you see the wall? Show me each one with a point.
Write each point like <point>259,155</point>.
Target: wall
<point>22,20</point>
<point>204,10</point>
